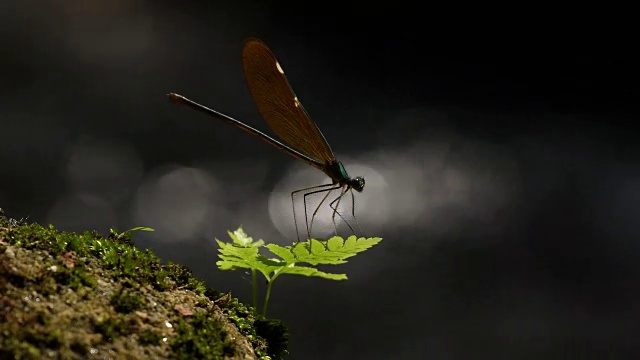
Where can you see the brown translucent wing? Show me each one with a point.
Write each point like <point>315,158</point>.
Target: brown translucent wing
<point>278,105</point>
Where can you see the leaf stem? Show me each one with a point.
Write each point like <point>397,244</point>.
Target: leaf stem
<point>266,297</point>
<point>255,290</point>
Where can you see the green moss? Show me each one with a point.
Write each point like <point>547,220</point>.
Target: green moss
<point>126,302</point>
<point>183,278</point>
<point>71,294</point>
<point>15,349</point>
<point>269,338</point>
<point>149,337</point>
<point>194,340</point>
<point>43,319</point>
<point>51,340</point>
<point>276,335</point>
<point>74,278</point>
<point>111,328</point>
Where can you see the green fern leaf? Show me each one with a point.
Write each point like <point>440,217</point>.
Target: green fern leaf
<point>333,251</point>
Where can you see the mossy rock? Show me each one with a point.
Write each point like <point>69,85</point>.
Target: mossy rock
<point>74,296</point>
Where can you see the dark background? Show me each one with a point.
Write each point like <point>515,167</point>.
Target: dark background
<point>501,171</point>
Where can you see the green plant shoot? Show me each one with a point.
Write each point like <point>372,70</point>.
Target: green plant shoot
<point>117,235</point>
<point>244,253</point>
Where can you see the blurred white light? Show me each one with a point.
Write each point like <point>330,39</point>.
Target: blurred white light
<point>82,212</point>
<point>100,173</point>
<point>280,206</point>
<point>302,176</point>
<point>178,203</point>
<point>108,169</point>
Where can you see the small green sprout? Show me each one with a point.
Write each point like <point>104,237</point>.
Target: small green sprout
<point>116,235</point>
<point>244,253</point>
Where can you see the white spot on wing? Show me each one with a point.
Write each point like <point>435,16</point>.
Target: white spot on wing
<point>296,102</point>
<point>279,68</point>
